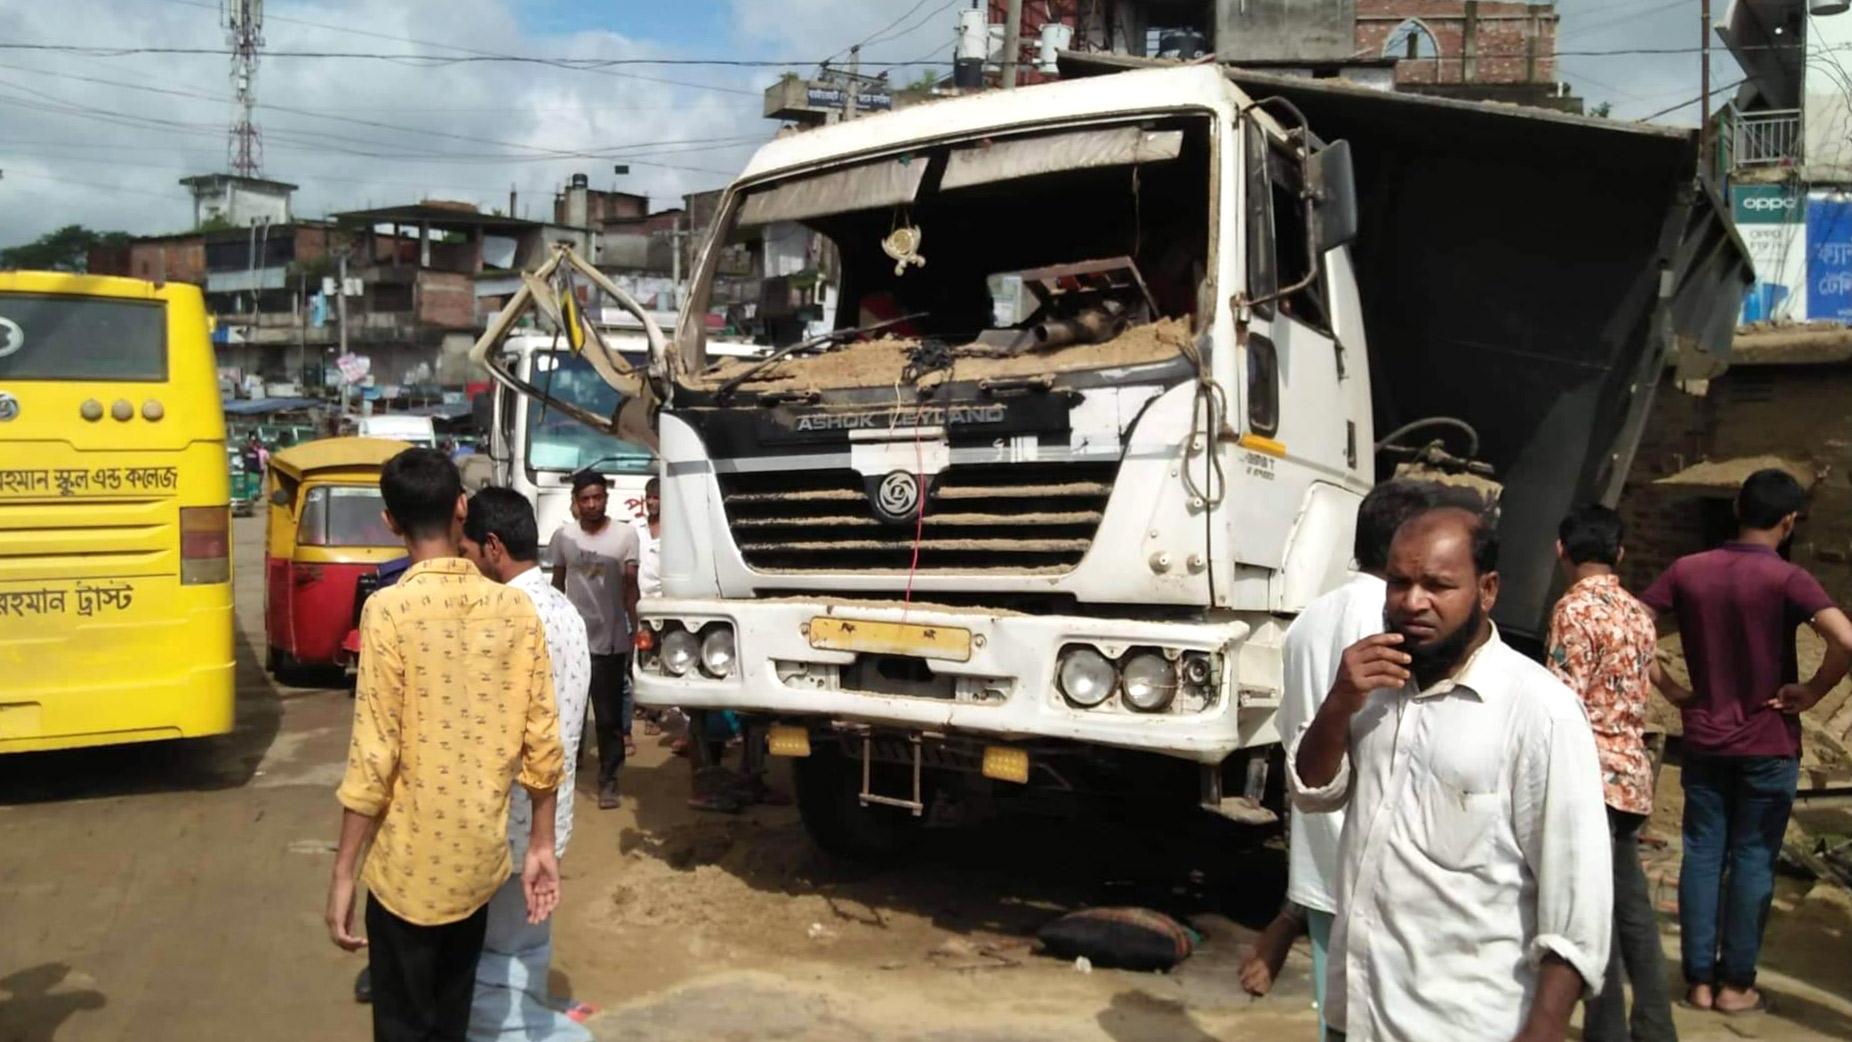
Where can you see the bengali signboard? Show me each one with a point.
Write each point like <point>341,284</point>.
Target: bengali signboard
<point>826,97</point>
<point>1771,220</point>
<point>1829,257</point>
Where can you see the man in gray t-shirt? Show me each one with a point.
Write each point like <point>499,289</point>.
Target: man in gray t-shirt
<point>595,564</point>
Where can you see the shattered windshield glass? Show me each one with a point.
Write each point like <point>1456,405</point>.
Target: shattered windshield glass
<point>1021,256</point>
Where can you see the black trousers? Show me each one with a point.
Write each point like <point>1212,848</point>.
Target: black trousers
<point>610,682</point>
<point>1635,955</point>
<point>423,976</point>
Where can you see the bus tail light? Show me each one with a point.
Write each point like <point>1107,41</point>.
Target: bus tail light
<point>205,545</point>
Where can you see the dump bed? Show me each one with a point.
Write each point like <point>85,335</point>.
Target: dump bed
<point>1530,273</point>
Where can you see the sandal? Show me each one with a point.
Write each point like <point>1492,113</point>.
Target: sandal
<point>1760,1005</point>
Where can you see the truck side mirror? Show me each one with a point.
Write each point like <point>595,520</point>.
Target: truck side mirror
<point>281,498</point>
<point>482,412</point>
<point>1331,181</point>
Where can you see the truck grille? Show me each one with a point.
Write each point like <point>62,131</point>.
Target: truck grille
<point>1016,517</point>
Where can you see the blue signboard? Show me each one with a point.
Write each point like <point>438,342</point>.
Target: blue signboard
<point>1829,258</point>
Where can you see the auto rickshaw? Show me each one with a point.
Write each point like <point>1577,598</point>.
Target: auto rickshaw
<point>245,486</point>
<point>326,531</point>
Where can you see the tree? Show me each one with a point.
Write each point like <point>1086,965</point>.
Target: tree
<point>67,249</point>
<point>1602,110</point>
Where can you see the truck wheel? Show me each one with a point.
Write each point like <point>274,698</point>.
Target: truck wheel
<point>829,787</point>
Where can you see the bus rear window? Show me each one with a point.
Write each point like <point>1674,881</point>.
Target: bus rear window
<point>337,515</point>
<point>53,337</point>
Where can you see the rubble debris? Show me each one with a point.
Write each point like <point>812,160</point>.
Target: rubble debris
<point>882,362</point>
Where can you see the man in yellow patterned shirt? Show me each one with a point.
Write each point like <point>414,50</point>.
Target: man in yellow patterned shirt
<point>454,705</point>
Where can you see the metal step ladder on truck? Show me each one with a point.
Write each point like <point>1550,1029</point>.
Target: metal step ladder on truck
<point>1110,360</point>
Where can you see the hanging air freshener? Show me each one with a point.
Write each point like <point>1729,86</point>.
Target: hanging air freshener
<point>903,244</point>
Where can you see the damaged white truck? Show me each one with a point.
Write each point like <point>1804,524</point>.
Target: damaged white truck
<point>1111,367</point>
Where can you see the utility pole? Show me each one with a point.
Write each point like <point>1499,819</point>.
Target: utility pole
<point>850,90</point>
<point>340,310</point>
<point>676,235</point>
<point>1704,87</point>
<point>1012,42</point>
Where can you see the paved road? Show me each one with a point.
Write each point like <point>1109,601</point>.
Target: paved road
<point>174,892</point>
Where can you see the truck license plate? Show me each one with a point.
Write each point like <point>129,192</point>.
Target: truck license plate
<point>891,638</point>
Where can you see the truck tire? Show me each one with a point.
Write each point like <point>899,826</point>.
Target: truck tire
<point>828,786</point>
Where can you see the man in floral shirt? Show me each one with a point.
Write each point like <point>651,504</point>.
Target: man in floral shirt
<point>1602,646</point>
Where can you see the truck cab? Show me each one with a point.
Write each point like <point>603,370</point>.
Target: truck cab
<point>1109,369</point>
<point>535,449</point>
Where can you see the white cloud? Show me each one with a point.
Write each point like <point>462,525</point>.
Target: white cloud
<point>74,150</point>
<point>77,144</point>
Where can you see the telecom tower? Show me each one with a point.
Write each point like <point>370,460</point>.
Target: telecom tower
<point>244,31</point>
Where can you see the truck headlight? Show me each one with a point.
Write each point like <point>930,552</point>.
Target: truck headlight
<point>1085,676</point>
<point>680,650</point>
<point>717,651</point>
<point>1148,682</point>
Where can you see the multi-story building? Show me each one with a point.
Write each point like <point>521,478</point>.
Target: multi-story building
<point>1782,147</point>
<point>1490,50</point>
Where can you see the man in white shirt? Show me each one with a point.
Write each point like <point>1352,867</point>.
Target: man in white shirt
<point>1474,886</point>
<point>649,536</point>
<point>1314,644</point>
<point>501,538</point>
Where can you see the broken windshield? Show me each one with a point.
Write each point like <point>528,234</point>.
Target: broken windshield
<point>1070,249</point>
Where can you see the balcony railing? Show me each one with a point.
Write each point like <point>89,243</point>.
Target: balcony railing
<point>1767,138</point>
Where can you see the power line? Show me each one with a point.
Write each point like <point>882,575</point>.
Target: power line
<point>531,152</point>
<point>915,27</point>
<point>596,64</point>
<point>866,40</point>
<point>1693,101</point>
<point>440,60</point>
<point>1637,11</point>
<point>466,50</point>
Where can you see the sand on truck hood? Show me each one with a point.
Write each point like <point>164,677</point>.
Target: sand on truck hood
<point>879,363</point>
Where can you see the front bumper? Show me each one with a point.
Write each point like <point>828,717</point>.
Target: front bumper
<point>1019,649</point>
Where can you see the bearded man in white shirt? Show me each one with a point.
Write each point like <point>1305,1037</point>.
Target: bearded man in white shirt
<point>1474,886</point>
<point>1314,645</point>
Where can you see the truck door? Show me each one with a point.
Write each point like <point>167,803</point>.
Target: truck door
<point>1290,413</point>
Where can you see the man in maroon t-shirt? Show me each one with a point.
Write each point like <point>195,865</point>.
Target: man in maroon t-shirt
<point>1737,608</point>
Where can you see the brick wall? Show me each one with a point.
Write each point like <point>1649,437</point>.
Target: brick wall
<point>1795,412</point>
<point>446,300</point>
<point>175,260</point>
<point>1507,33</point>
<point>311,242</point>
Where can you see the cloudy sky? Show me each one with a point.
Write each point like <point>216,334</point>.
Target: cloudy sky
<point>101,140</point>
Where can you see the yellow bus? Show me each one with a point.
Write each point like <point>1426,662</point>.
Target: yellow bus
<point>115,522</point>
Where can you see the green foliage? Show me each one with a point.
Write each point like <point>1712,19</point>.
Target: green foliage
<point>218,222</point>
<point>1602,110</point>
<point>67,249</point>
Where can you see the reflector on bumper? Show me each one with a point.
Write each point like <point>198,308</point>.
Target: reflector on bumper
<point>785,740</point>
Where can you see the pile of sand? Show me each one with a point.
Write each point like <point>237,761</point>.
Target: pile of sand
<point>879,363</point>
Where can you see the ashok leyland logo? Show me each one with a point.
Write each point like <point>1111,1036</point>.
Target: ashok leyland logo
<point>9,406</point>
<point>897,497</point>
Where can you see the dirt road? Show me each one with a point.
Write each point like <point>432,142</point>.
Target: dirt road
<point>175,893</point>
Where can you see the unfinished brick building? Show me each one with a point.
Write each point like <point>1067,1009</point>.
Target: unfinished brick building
<point>1460,41</point>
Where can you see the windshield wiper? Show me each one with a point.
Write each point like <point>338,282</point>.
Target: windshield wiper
<point>835,336</point>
